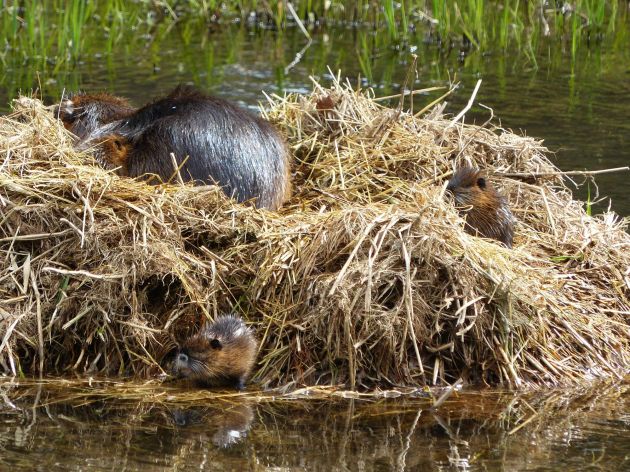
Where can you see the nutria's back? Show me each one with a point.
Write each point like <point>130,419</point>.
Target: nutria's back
<point>205,139</point>
<point>221,353</point>
<point>214,141</point>
<point>487,211</point>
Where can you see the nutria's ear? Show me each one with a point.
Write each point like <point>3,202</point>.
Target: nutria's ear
<point>118,143</point>
<point>481,182</point>
<point>215,344</point>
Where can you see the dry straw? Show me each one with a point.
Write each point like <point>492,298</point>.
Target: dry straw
<point>366,278</point>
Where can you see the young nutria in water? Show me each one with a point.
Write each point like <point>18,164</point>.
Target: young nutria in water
<point>212,140</point>
<point>487,211</point>
<point>222,353</point>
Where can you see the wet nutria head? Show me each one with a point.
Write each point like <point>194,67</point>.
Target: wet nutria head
<point>83,113</point>
<point>222,353</point>
<point>487,211</point>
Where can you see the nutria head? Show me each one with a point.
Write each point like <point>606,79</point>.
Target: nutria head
<point>222,353</point>
<point>83,113</point>
<point>487,212</point>
<point>111,151</point>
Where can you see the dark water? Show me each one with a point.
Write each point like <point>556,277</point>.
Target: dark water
<point>579,105</point>
<point>109,427</point>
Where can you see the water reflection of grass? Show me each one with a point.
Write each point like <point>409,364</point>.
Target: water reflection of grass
<point>127,426</point>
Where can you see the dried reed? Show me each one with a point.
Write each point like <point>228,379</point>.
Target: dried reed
<point>366,278</point>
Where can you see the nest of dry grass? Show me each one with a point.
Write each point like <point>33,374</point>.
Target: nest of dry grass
<point>366,278</point>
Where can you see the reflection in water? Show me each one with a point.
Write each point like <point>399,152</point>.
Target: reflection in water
<point>229,424</point>
<point>47,428</point>
<point>579,106</point>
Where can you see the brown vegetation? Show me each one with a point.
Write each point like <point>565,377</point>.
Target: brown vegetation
<point>367,277</point>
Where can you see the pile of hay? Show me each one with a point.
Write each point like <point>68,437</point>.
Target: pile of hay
<point>366,278</point>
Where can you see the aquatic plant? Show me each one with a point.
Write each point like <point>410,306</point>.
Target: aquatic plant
<point>27,26</point>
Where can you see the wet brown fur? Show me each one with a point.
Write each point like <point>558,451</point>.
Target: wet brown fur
<point>487,211</point>
<point>221,353</point>
<point>82,113</point>
<point>112,153</point>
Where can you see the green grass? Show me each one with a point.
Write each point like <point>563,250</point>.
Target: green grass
<point>589,204</point>
<point>54,38</point>
<point>562,259</point>
<point>63,29</point>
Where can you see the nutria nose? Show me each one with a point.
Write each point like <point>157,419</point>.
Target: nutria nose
<point>183,358</point>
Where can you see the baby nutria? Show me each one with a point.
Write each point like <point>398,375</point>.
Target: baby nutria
<point>487,211</point>
<point>222,353</point>
<point>212,140</point>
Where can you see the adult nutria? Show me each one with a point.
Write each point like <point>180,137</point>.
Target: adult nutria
<point>206,139</point>
<point>222,353</point>
<point>84,113</point>
<point>486,210</point>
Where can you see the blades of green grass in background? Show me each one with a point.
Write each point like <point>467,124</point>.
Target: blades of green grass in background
<point>30,26</point>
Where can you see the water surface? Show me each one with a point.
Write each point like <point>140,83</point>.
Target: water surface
<point>109,426</point>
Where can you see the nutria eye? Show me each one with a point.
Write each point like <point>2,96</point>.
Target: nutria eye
<point>118,144</point>
<point>182,358</point>
<point>215,344</point>
<point>481,182</point>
